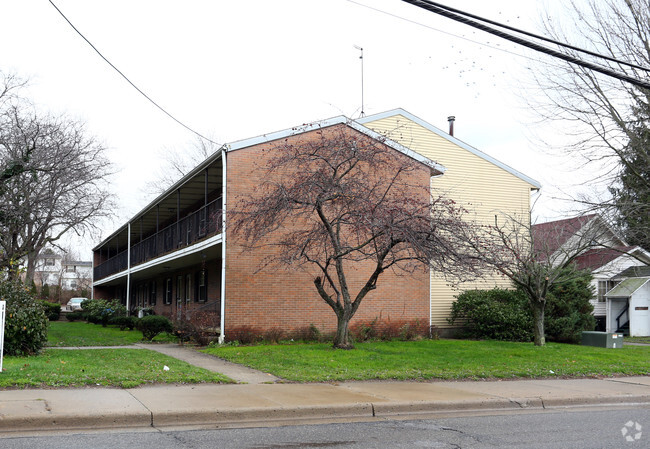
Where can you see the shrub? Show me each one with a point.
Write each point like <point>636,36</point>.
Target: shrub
<point>245,335</point>
<point>274,334</point>
<point>75,316</point>
<point>152,325</point>
<point>500,314</point>
<point>25,321</point>
<point>52,310</point>
<point>568,310</point>
<point>124,322</point>
<point>101,311</point>
<point>496,314</point>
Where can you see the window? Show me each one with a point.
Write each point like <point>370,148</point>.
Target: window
<point>603,288</point>
<point>152,293</point>
<point>73,284</point>
<point>70,268</point>
<point>188,288</point>
<point>179,288</point>
<point>49,262</point>
<point>168,291</point>
<point>201,286</point>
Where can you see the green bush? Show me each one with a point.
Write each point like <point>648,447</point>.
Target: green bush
<point>75,316</point>
<point>52,310</point>
<point>496,314</point>
<point>500,314</point>
<point>124,322</point>
<point>101,311</point>
<point>25,321</point>
<point>152,325</point>
<point>568,310</point>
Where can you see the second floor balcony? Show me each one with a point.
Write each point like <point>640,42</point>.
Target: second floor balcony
<point>194,227</point>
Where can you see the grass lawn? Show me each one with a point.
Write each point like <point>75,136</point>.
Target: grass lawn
<point>124,368</point>
<point>637,339</point>
<point>437,359</point>
<point>77,333</point>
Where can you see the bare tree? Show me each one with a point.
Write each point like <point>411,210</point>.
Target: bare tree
<point>342,200</point>
<point>61,185</point>
<point>177,163</point>
<point>535,258</point>
<point>606,120</point>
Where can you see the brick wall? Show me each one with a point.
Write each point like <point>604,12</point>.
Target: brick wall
<point>287,298</point>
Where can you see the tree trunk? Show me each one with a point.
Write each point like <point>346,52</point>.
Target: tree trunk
<point>342,338</point>
<point>538,324</point>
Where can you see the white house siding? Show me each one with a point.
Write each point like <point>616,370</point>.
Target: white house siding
<point>605,273</point>
<point>482,187</point>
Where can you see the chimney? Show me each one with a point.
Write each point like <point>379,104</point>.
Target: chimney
<point>451,120</point>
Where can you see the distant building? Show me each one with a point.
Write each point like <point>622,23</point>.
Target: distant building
<point>56,270</point>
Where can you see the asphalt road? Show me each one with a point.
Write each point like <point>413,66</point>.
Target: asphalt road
<point>584,429</point>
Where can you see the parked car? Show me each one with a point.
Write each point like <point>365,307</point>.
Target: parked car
<point>75,303</point>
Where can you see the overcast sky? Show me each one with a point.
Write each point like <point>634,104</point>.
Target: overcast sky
<point>234,69</point>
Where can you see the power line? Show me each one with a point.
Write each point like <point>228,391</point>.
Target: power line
<point>537,36</point>
<point>129,81</point>
<point>430,6</point>
<point>440,31</point>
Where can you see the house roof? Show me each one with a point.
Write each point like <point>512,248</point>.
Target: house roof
<point>550,236</point>
<point>434,166</point>
<point>636,271</point>
<point>595,258</point>
<point>444,135</point>
<point>627,287</point>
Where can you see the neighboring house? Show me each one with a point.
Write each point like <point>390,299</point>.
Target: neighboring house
<point>606,259</point>
<point>489,189</point>
<point>628,302</point>
<point>174,256</point>
<point>55,270</point>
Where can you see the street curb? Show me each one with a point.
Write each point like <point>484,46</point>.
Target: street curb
<point>278,416</point>
<point>47,423</point>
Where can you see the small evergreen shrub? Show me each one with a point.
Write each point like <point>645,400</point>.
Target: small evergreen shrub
<point>496,314</point>
<point>52,310</point>
<point>568,310</point>
<point>25,321</point>
<point>152,325</point>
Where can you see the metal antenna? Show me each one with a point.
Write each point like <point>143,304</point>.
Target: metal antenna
<point>361,57</point>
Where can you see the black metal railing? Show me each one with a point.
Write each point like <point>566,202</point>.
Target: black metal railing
<point>196,226</point>
<point>620,321</point>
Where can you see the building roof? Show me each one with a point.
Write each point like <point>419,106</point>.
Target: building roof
<point>444,135</point>
<point>627,288</point>
<point>434,167</point>
<point>595,258</point>
<point>550,236</point>
<point>636,271</point>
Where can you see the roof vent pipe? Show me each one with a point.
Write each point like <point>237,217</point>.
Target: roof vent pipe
<point>451,120</point>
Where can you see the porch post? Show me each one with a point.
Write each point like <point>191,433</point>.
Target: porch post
<point>128,268</point>
<point>224,184</point>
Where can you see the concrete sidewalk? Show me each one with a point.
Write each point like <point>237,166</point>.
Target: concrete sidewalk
<point>212,406</point>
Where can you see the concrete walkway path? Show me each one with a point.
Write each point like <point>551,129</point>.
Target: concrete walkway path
<point>238,373</point>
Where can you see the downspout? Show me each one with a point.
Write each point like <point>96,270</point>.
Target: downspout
<point>224,185</point>
<point>128,268</point>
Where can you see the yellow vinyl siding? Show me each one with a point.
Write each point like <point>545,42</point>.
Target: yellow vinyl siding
<point>482,187</point>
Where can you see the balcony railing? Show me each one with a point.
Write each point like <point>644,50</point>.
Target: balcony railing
<point>196,226</point>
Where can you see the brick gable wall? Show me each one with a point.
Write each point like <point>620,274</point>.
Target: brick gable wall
<point>287,298</point>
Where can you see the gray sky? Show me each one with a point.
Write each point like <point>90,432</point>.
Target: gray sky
<point>234,69</point>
